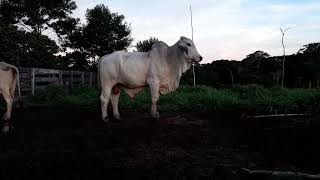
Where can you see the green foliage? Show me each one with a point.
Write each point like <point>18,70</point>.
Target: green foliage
<point>78,61</point>
<point>47,95</point>
<point>82,95</point>
<point>22,44</point>
<point>26,48</point>
<point>104,33</point>
<point>256,56</point>
<point>312,49</point>
<point>253,98</point>
<point>302,70</point>
<point>65,27</point>
<point>36,15</point>
<point>21,24</point>
<point>146,45</point>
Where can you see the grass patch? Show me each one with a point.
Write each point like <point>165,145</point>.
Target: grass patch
<point>186,98</point>
<point>57,96</point>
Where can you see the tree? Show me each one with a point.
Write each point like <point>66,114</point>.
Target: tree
<point>307,62</point>
<point>104,33</point>
<point>302,70</point>
<point>146,45</point>
<point>22,23</point>
<point>65,27</point>
<point>9,11</point>
<point>312,49</point>
<point>37,15</point>
<point>256,57</point>
<point>78,61</point>
<point>26,48</point>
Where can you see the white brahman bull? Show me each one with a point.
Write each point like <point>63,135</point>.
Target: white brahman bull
<point>160,69</point>
<point>9,77</point>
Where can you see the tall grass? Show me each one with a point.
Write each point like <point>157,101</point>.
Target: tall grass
<point>200,98</point>
<point>57,96</point>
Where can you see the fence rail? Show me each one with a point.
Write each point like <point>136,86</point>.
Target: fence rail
<point>32,79</point>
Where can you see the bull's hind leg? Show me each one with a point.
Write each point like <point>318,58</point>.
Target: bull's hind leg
<point>9,101</point>
<point>114,101</point>
<point>104,97</point>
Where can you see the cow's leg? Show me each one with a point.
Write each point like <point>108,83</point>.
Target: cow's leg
<point>114,101</point>
<point>7,116</point>
<point>154,90</point>
<point>104,97</point>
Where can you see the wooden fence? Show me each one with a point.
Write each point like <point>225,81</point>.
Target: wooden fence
<point>32,79</point>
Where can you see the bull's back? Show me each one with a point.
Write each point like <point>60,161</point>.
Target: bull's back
<point>127,68</point>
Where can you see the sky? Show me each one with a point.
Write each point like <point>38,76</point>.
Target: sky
<point>223,29</point>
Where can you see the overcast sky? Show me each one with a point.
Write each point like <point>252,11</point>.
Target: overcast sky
<point>223,29</point>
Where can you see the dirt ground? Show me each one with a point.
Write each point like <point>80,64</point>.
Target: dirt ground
<point>69,143</point>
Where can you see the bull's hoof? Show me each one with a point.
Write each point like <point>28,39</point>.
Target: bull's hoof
<point>155,116</point>
<point>6,129</point>
<point>106,119</point>
<point>117,117</point>
<point>115,120</point>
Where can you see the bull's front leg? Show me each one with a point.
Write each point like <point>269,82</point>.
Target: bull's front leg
<point>154,90</point>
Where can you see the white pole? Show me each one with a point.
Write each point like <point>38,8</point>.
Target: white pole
<point>194,75</point>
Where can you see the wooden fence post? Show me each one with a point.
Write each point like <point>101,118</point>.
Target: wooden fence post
<point>60,78</point>
<point>32,80</point>
<point>310,85</point>
<point>40,78</point>
<point>71,79</point>
<point>90,79</point>
<point>82,77</point>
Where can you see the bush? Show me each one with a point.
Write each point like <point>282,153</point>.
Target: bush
<point>47,95</point>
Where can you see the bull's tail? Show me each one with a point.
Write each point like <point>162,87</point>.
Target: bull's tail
<point>15,82</point>
<point>99,86</point>
<point>98,75</point>
<point>15,72</point>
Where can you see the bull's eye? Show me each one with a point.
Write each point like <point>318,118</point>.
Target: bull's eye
<point>188,44</point>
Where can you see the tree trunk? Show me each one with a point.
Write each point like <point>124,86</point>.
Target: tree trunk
<point>231,74</point>
<point>284,55</point>
<point>283,61</point>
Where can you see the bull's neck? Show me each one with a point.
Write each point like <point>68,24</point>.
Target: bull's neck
<point>177,64</point>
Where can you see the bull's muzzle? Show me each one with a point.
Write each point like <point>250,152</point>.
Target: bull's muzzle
<point>196,60</point>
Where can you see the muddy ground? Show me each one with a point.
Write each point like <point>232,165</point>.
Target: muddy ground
<point>69,143</point>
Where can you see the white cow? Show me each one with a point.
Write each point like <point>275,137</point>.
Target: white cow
<point>9,77</point>
<point>160,69</point>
